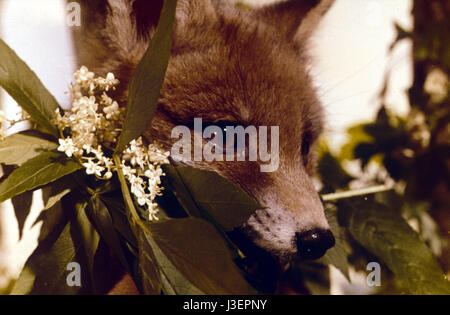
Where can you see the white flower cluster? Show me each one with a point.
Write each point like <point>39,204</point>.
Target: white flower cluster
<point>91,128</point>
<point>94,120</point>
<point>141,167</point>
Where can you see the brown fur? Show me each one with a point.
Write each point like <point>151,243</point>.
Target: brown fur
<point>244,66</point>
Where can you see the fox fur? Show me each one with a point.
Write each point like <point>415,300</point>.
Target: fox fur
<point>229,64</point>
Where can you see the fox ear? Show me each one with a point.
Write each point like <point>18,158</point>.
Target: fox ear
<point>298,19</point>
<point>146,15</point>
<point>114,34</point>
<point>117,32</point>
<point>141,15</point>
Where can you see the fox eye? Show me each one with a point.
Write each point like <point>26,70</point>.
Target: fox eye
<point>306,147</point>
<point>223,125</point>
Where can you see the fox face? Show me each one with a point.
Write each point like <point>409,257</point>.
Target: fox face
<point>236,67</point>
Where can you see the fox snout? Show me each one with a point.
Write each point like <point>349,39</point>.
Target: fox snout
<point>293,224</point>
<point>313,244</point>
<point>309,244</point>
<point>285,240</point>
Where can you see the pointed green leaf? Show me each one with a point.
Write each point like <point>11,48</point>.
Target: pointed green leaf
<point>24,284</point>
<point>57,191</point>
<point>22,208</point>
<point>54,199</point>
<point>104,223</point>
<point>54,219</point>
<point>356,135</point>
<point>115,205</point>
<point>332,174</point>
<point>226,202</point>
<point>47,268</point>
<point>37,172</point>
<point>26,89</point>
<point>199,252</point>
<point>148,79</point>
<point>149,268</point>
<point>388,236</point>
<point>21,147</point>
<point>83,233</point>
<point>311,277</point>
<point>172,280</point>
<point>337,256</point>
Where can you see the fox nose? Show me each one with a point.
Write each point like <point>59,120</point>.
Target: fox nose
<point>313,244</point>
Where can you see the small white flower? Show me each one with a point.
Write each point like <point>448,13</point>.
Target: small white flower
<point>111,80</point>
<point>142,201</point>
<point>112,110</point>
<point>106,100</point>
<point>93,168</point>
<point>66,146</point>
<point>128,171</point>
<point>87,148</point>
<point>83,75</point>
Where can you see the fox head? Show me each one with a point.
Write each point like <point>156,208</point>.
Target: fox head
<point>235,66</point>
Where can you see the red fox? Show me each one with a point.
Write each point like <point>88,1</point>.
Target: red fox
<point>231,66</point>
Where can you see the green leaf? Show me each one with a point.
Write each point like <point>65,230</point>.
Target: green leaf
<point>68,237</point>
<point>99,213</point>
<point>24,284</point>
<point>333,176</point>
<point>365,152</point>
<point>54,219</point>
<point>26,89</point>
<point>172,280</point>
<point>22,208</point>
<point>226,202</point>
<point>37,172</point>
<point>384,233</point>
<point>21,147</point>
<point>149,268</point>
<point>21,203</point>
<point>199,252</point>
<point>309,275</point>
<point>55,192</point>
<point>46,268</point>
<point>150,281</point>
<point>175,184</point>
<point>84,234</point>
<point>148,79</point>
<point>115,205</point>
<point>428,228</point>
<point>55,198</point>
<point>337,256</point>
<point>356,135</point>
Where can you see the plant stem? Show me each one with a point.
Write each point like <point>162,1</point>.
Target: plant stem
<point>127,196</point>
<point>356,193</point>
